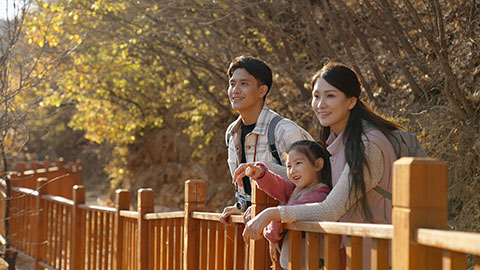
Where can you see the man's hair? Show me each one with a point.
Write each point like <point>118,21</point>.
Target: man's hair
<point>256,67</point>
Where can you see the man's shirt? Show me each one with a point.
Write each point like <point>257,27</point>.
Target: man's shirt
<point>256,142</point>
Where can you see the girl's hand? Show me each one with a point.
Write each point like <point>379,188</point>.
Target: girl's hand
<point>254,227</point>
<point>274,251</point>
<point>246,169</point>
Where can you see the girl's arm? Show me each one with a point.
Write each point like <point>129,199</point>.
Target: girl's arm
<point>275,186</point>
<point>338,201</point>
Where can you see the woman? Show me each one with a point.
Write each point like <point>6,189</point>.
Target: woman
<point>361,160</point>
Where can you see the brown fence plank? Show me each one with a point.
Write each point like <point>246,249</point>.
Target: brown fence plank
<point>77,261</point>
<point>122,202</point>
<point>419,200</point>
<point>354,249</point>
<point>219,246</point>
<point>194,201</point>
<point>178,245</point>
<point>295,242</point>
<point>312,250</point>
<point>229,246</point>
<point>240,249</point>
<point>380,255</point>
<point>212,228</point>
<point>452,260</point>
<point>145,205</point>
<point>41,224</point>
<point>332,247</point>
<point>170,256</point>
<point>203,244</point>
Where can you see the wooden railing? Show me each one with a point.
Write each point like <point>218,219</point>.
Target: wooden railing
<point>60,233</point>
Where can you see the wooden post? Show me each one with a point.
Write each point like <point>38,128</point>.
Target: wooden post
<point>419,201</point>
<point>259,257</point>
<point>194,201</point>
<point>40,225</point>
<point>77,242</point>
<point>145,205</point>
<point>122,197</point>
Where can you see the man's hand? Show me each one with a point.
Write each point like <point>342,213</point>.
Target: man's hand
<point>228,211</point>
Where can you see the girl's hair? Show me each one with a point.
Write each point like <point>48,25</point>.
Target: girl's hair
<point>313,151</point>
<point>346,80</point>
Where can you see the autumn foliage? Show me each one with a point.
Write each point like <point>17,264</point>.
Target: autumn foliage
<point>148,78</point>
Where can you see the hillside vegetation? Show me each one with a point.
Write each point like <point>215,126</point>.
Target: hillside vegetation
<point>141,85</point>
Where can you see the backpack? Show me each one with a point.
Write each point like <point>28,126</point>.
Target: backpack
<point>270,136</point>
<point>405,144</point>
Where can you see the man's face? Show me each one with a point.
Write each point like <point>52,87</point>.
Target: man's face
<point>244,92</point>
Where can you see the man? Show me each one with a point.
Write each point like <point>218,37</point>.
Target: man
<point>250,80</point>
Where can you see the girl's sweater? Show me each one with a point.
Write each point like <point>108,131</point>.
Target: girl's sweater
<point>286,192</point>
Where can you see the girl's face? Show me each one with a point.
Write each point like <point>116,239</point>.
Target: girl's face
<point>331,106</point>
<point>301,171</point>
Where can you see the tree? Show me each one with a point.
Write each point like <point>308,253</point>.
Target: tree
<point>418,57</point>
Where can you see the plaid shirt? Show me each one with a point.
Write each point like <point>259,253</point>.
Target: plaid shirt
<point>256,142</point>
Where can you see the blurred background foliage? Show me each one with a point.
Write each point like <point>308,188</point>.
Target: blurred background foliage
<point>138,89</point>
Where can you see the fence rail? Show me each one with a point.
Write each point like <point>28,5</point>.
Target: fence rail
<point>65,233</point>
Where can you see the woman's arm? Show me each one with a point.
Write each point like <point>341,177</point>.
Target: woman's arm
<point>332,208</point>
<point>339,201</point>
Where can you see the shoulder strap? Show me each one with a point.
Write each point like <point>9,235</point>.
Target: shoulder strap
<point>227,137</point>
<point>383,192</point>
<point>271,138</point>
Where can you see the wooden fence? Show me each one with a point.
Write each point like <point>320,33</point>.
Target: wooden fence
<point>61,233</point>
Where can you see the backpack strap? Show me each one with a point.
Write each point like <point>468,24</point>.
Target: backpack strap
<point>412,146</point>
<point>271,138</point>
<point>383,192</point>
<point>227,138</point>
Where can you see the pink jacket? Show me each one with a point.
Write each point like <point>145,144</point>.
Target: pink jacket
<point>286,192</point>
<point>380,206</point>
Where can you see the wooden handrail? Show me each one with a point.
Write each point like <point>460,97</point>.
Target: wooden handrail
<point>25,190</point>
<point>129,214</point>
<point>103,209</point>
<point>380,231</point>
<point>58,199</point>
<point>166,215</point>
<point>464,242</point>
<point>193,238</point>
<point>215,217</point>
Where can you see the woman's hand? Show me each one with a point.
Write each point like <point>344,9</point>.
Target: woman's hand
<point>254,228</point>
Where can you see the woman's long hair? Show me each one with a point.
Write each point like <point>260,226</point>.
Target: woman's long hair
<point>346,80</point>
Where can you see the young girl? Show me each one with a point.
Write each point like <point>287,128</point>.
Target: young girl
<point>362,158</point>
<point>308,168</point>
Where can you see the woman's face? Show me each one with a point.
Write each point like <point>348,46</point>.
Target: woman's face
<point>331,106</point>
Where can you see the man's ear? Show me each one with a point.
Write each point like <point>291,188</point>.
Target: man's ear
<point>263,90</point>
<point>352,102</point>
<point>319,164</point>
